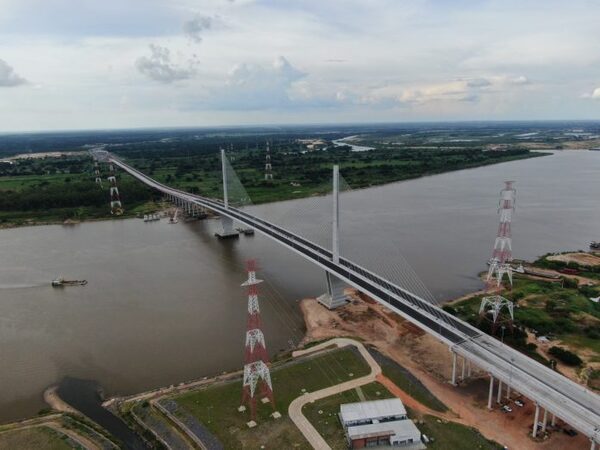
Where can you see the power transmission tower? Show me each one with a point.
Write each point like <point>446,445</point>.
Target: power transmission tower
<point>257,376</point>
<point>116,207</point>
<point>268,167</point>
<point>502,255</point>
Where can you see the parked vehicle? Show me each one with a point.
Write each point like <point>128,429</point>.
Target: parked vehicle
<point>519,403</point>
<point>506,409</point>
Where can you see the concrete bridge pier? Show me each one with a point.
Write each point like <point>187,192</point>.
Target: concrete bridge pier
<point>499,396</point>
<point>335,296</point>
<point>535,420</point>
<point>545,421</point>
<point>227,231</point>
<point>491,392</point>
<point>453,379</point>
<point>593,447</point>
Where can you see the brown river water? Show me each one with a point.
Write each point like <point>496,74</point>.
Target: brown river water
<point>163,303</point>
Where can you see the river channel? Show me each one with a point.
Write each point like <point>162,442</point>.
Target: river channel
<point>163,303</point>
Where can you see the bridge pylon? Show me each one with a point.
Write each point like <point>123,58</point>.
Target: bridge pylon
<point>335,296</point>
<point>227,231</point>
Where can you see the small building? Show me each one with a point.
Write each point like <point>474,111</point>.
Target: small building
<point>397,433</point>
<point>379,423</point>
<point>362,413</point>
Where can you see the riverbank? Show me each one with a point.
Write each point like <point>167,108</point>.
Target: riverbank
<point>377,170</point>
<point>415,368</point>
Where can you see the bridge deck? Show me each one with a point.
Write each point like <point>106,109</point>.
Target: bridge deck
<point>568,400</point>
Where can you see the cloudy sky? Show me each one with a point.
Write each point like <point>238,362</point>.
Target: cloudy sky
<point>86,64</point>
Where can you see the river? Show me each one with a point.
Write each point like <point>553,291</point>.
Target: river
<point>164,302</point>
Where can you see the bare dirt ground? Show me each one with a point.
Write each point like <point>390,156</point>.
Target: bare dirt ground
<point>430,361</point>
<point>586,259</point>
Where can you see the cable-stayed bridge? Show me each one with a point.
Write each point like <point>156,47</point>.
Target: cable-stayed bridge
<point>555,396</point>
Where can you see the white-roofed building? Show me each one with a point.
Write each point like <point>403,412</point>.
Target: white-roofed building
<point>379,423</point>
<point>367,412</point>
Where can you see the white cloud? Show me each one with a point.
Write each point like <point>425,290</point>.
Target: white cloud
<point>253,86</point>
<point>194,28</point>
<point>422,60</point>
<point>8,76</point>
<point>159,67</point>
<point>462,90</point>
<point>596,93</point>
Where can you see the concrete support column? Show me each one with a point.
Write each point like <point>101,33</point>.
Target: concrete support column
<point>545,421</point>
<point>499,397</point>
<point>535,420</point>
<point>453,369</point>
<point>462,376</point>
<point>593,447</point>
<point>507,391</point>
<point>469,369</point>
<point>491,392</point>
<point>553,421</point>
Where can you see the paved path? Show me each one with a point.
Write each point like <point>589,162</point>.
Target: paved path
<point>295,409</point>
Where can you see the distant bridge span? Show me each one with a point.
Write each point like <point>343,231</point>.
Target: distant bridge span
<point>552,392</point>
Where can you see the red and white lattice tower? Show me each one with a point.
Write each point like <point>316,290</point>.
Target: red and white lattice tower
<point>116,207</point>
<point>268,167</point>
<point>502,256</point>
<point>257,377</point>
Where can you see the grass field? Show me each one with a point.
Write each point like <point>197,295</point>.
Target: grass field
<point>38,438</point>
<point>216,407</point>
<point>453,436</point>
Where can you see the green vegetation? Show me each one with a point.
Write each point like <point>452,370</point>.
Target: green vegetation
<point>547,309</point>
<point>323,414</point>
<point>39,438</point>
<point>298,173</point>
<point>53,189</point>
<point>216,406</point>
<point>408,383</point>
<point>48,190</point>
<point>453,436</point>
<point>594,380</point>
<point>583,270</point>
<point>565,356</point>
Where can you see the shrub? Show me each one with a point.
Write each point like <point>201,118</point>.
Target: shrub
<point>565,356</point>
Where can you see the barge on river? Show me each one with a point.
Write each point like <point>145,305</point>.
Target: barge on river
<point>60,282</point>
